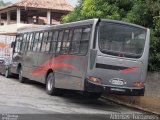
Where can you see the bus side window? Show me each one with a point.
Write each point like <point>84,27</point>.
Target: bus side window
<point>21,42</point>
<point>48,44</point>
<point>59,42</point>
<point>44,42</point>
<point>27,42</point>
<point>39,42</point>
<point>30,42</point>
<point>54,41</point>
<point>35,42</point>
<point>66,43</point>
<point>75,43</point>
<point>24,42</point>
<point>18,45</point>
<point>85,41</point>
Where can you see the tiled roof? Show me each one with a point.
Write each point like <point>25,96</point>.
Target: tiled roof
<point>60,5</point>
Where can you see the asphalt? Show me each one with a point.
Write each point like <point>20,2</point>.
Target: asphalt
<point>30,101</point>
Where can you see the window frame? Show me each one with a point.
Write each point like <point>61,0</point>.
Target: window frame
<point>56,40</point>
<point>83,27</point>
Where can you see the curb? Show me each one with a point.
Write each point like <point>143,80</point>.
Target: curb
<point>131,106</point>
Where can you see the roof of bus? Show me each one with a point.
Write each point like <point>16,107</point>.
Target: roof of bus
<point>73,24</point>
<point>122,22</point>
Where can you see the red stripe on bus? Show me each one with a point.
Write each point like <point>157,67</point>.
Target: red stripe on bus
<point>129,69</point>
<point>50,64</point>
<point>38,72</point>
<point>53,66</point>
<point>58,58</point>
<point>59,65</point>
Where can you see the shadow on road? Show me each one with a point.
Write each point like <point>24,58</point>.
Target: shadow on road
<point>76,97</point>
<point>71,96</point>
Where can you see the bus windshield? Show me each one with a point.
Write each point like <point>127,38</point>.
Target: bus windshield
<point>121,40</point>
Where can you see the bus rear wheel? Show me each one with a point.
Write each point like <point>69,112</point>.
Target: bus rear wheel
<point>50,85</point>
<point>21,79</point>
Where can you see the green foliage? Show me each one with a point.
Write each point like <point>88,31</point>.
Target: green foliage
<point>99,8</point>
<point>93,9</point>
<point>154,58</point>
<point>142,12</point>
<point>3,4</point>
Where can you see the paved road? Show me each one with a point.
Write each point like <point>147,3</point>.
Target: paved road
<point>31,98</point>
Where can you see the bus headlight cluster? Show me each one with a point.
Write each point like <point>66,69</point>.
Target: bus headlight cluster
<point>94,79</point>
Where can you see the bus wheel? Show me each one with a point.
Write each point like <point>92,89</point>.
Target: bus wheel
<point>51,90</point>
<point>7,75</point>
<point>20,77</point>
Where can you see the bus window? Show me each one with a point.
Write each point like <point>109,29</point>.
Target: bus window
<point>30,42</point>
<point>24,42</point>
<point>66,43</point>
<point>75,44</point>
<point>27,42</point>
<point>48,44</point>
<point>85,40</point>
<point>39,42</point>
<point>44,43</point>
<point>70,39</point>
<point>121,40</point>
<point>35,42</point>
<point>59,42</point>
<point>54,41</point>
<point>18,45</point>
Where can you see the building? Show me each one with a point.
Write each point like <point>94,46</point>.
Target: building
<point>28,14</point>
<point>35,11</point>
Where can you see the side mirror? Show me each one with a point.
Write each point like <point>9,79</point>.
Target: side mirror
<point>13,44</point>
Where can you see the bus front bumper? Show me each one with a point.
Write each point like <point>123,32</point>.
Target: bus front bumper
<point>126,91</point>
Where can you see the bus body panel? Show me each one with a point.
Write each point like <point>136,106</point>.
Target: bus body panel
<point>32,63</point>
<point>42,65</point>
<point>71,77</point>
<point>112,69</point>
<point>108,69</point>
<point>69,72</point>
<point>145,56</point>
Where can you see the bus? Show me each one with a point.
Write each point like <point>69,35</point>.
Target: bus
<point>93,56</point>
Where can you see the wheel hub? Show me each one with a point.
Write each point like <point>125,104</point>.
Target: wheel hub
<point>50,84</point>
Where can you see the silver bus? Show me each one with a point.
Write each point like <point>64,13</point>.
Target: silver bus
<point>92,56</point>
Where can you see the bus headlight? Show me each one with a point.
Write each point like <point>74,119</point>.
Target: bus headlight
<point>138,84</point>
<point>94,79</point>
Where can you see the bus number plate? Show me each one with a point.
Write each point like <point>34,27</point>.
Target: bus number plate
<point>117,82</point>
<point>117,89</point>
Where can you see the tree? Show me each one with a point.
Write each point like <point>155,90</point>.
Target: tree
<point>3,4</point>
<point>154,58</point>
<point>99,8</point>
<point>74,15</point>
<point>93,9</point>
<point>142,12</point>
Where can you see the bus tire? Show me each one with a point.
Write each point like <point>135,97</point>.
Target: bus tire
<point>50,85</point>
<point>7,75</point>
<point>21,79</point>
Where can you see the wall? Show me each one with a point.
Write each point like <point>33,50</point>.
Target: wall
<point>150,101</point>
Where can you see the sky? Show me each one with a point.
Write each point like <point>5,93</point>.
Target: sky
<point>72,2</point>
